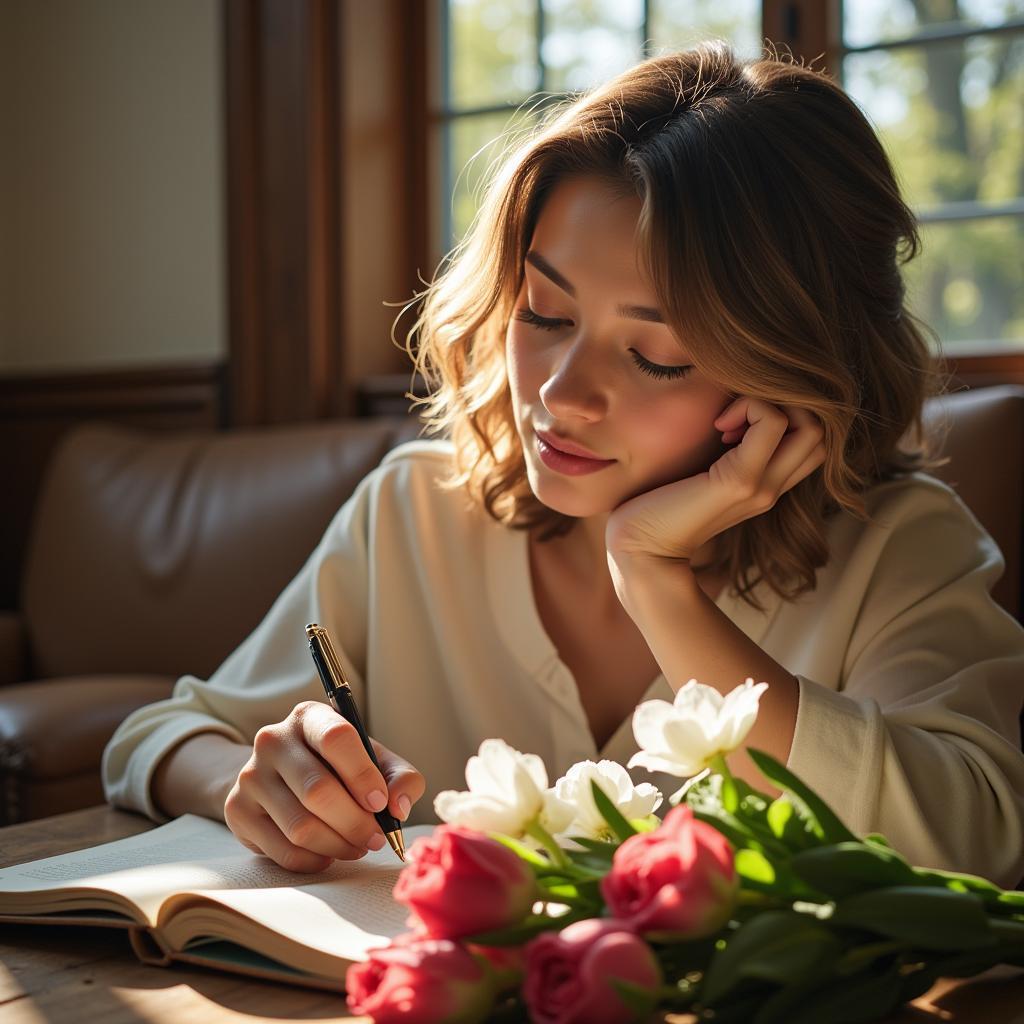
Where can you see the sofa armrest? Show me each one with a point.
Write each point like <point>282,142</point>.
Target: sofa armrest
<point>52,735</point>
<point>13,648</point>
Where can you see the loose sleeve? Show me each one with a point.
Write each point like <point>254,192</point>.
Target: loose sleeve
<point>272,671</point>
<point>922,741</point>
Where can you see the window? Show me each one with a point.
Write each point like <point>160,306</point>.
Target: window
<point>503,61</point>
<point>941,80</point>
<point>943,83</point>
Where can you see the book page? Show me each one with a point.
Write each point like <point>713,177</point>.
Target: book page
<point>189,854</point>
<point>339,913</point>
<point>143,869</point>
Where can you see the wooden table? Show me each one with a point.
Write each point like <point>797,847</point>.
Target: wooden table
<point>51,974</point>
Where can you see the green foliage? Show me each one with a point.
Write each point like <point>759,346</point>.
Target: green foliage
<point>779,946</point>
<point>847,868</point>
<point>611,814</point>
<point>816,815</point>
<point>937,919</point>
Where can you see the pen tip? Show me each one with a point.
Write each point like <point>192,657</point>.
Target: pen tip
<point>397,843</point>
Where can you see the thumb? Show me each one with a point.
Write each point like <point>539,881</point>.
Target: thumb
<point>405,784</point>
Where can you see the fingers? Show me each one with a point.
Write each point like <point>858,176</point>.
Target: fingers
<point>337,741</point>
<point>780,446</point>
<point>405,784</point>
<point>315,810</point>
<point>308,794</point>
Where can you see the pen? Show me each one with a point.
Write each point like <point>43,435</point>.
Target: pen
<point>339,693</point>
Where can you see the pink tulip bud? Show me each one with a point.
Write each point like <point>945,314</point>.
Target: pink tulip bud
<point>420,981</point>
<point>459,882</point>
<point>570,974</point>
<point>678,881</point>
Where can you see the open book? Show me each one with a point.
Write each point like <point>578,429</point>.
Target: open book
<point>190,891</point>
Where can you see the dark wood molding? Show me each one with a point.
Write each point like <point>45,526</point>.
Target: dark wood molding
<point>191,394</point>
<point>283,191</point>
<point>37,410</point>
<point>967,370</point>
<point>807,29</point>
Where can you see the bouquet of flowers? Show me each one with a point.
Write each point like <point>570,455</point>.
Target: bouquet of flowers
<point>575,903</point>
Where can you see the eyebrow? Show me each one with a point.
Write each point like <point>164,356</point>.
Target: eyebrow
<point>632,312</point>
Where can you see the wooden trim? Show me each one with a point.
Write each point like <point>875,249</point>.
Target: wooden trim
<point>37,410</point>
<point>983,368</point>
<point>808,29</point>
<point>415,39</point>
<point>283,169</point>
<point>195,393</point>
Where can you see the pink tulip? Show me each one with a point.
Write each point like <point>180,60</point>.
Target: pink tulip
<point>420,981</point>
<point>459,882</point>
<point>678,881</point>
<point>569,973</point>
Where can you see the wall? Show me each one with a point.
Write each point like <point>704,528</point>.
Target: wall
<point>111,201</point>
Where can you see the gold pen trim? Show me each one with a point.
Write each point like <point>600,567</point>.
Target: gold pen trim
<point>331,659</point>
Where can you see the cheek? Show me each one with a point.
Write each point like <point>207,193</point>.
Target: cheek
<point>520,365</point>
<point>678,434</point>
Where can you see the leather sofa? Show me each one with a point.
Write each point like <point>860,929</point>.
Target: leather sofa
<point>153,555</point>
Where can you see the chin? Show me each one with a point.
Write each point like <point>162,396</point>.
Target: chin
<point>567,498</point>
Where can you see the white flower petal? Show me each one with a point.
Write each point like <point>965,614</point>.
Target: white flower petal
<point>648,721</point>
<point>654,763</point>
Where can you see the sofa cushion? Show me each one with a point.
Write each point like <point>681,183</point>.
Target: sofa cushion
<point>55,728</point>
<point>159,553</point>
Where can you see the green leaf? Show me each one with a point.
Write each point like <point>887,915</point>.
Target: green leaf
<point>611,814</point>
<point>755,869</point>
<point>733,830</point>
<point>820,817</point>
<point>852,1001</point>
<point>847,868</point>
<point>877,839</point>
<point>601,847</point>
<point>637,998</point>
<point>962,883</point>
<point>537,861</point>
<point>779,946</point>
<point>587,864</point>
<point>521,933</point>
<point>925,918</point>
<point>796,833</point>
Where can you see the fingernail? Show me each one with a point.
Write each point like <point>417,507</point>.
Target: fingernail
<point>376,841</point>
<point>404,804</point>
<point>376,800</point>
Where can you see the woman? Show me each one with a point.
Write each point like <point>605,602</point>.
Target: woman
<point>674,366</point>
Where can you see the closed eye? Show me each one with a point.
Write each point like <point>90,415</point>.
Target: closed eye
<point>527,316</point>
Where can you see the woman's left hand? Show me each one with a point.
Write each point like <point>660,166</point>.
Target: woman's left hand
<point>779,447</point>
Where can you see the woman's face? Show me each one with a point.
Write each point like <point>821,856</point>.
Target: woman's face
<point>597,377</point>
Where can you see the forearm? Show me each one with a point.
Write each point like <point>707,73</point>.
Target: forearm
<point>196,776</point>
<point>691,638</point>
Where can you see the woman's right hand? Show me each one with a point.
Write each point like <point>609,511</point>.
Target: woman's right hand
<point>307,795</point>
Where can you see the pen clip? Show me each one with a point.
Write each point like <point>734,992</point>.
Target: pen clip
<point>318,635</point>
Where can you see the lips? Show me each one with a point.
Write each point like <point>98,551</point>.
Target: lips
<point>568,447</point>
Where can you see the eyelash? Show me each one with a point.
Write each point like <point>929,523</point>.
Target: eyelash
<point>527,316</point>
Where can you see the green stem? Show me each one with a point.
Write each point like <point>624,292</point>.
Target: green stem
<point>717,764</point>
<point>535,830</point>
<point>753,898</point>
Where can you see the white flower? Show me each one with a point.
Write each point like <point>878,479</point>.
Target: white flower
<point>681,738</point>
<point>508,791</point>
<point>575,789</point>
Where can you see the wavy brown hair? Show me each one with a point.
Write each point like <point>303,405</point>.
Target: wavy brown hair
<point>773,232</point>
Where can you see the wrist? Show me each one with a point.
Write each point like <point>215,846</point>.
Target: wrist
<point>196,776</point>
<point>643,578</point>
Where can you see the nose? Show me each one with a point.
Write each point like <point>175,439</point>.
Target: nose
<point>575,388</point>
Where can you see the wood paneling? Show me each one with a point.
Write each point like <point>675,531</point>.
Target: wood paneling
<point>283,160</point>
<point>808,29</point>
<point>35,411</point>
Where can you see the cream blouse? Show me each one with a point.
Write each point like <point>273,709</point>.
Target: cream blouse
<point>911,677</point>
